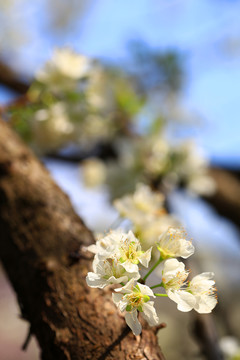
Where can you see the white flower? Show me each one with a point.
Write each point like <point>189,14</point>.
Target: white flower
<point>199,294</point>
<point>174,280</point>
<point>64,70</point>
<point>64,62</point>
<point>202,287</point>
<point>124,248</point>
<point>133,298</point>
<point>172,243</point>
<point>142,205</point>
<point>106,246</point>
<point>107,272</point>
<point>129,253</point>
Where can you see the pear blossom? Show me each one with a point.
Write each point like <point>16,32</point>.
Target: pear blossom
<point>129,253</point>
<point>106,246</point>
<point>199,294</point>
<point>134,297</point>
<point>108,271</point>
<point>174,278</point>
<point>123,247</point>
<point>142,205</point>
<point>172,243</point>
<point>202,287</point>
<point>65,63</point>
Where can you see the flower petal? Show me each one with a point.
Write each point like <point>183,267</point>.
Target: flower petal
<point>116,298</point>
<point>95,281</point>
<point>205,304</point>
<point>184,299</point>
<point>127,288</point>
<point>145,257</point>
<point>145,290</point>
<point>149,313</point>
<point>171,268</point>
<point>133,323</point>
<point>130,267</point>
<point>186,249</point>
<point>120,301</point>
<point>113,280</point>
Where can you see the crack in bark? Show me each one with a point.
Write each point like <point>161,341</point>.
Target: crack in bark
<point>124,333</point>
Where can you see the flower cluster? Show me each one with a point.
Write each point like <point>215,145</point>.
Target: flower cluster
<point>119,254</point>
<point>116,261</point>
<point>197,294</point>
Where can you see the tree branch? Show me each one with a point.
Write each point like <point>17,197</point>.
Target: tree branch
<point>39,233</point>
<point>11,80</point>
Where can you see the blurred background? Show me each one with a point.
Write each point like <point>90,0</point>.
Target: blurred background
<point>157,102</point>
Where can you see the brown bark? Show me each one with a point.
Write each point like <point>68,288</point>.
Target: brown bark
<point>39,232</point>
<point>226,200</point>
<point>10,79</point>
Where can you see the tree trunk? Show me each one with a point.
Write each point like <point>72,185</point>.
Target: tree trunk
<point>40,233</point>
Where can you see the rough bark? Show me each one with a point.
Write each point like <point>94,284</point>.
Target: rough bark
<point>39,233</point>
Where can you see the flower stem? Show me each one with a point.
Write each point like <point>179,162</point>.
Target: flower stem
<point>155,286</point>
<point>153,268</point>
<point>160,295</point>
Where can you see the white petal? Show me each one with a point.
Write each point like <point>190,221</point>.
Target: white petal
<point>145,290</point>
<point>201,283</point>
<point>134,275</point>
<point>173,265</point>
<point>127,288</point>
<point>132,237</point>
<point>116,298</point>
<point>113,280</point>
<point>120,301</point>
<point>92,248</point>
<point>133,323</point>
<point>205,304</point>
<point>203,277</point>
<point>171,268</point>
<point>149,313</point>
<point>145,257</point>
<point>186,248</point>
<point>184,299</point>
<point>123,304</point>
<point>95,281</point>
<point>130,267</point>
